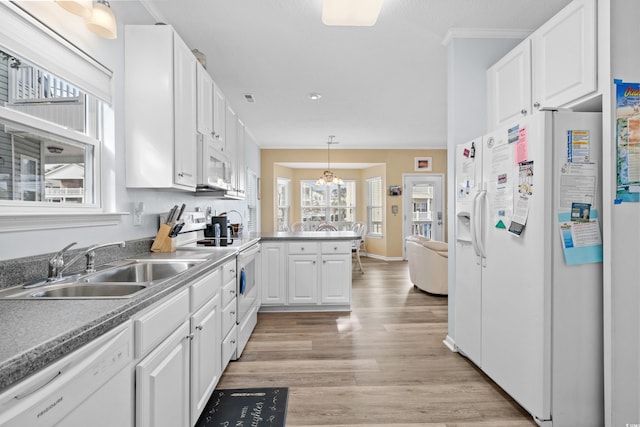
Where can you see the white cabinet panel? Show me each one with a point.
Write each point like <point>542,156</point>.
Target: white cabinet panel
<point>336,279</point>
<point>206,355</point>
<point>274,273</point>
<point>162,383</point>
<point>303,279</point>
<point>205,101</point>
<point>160,104</point>
<point>564,56</point>
<point>509,86</point>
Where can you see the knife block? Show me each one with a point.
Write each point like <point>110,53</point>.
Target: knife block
<point>162,242</point>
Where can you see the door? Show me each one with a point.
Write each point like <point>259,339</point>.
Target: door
<point>185,115</point>
<point>303,279</point>
<point>423,206</point>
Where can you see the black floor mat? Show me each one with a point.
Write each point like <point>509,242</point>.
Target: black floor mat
<point>248,407</point>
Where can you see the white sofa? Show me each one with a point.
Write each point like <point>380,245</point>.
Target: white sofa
<point>428,264</point>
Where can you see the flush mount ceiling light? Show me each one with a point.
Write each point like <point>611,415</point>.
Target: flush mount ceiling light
<point>78,7</point>
<point>358,13</point>
<point>314,96</point>
<point>102,20</point>
<point>328,178</point>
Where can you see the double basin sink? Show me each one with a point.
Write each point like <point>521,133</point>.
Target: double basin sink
<point>122,281</point>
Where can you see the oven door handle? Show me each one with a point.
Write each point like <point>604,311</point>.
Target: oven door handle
<point>243,281</point>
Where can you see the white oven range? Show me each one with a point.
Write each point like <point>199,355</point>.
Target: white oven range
<point>247,277</point>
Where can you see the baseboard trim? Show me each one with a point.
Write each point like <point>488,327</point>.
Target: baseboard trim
<point>384,258</point>
<point>450,343</point>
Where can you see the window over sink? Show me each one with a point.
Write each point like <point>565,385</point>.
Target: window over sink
<point>54,109</point>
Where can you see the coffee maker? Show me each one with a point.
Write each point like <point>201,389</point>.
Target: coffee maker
<point>221,223</point>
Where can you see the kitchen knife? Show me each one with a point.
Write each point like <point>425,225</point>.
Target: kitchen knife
<point>172,214</point>
<point>181,211</point>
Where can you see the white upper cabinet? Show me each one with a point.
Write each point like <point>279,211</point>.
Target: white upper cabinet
<point>509,86</point>
<point>205,101</point>
<point>219,111</point>
<point>241,179</point>
<point>160,104</point>
<point>555,67</point>
<point>564,56</point>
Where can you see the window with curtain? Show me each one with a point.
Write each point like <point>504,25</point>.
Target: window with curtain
<point>283,207</point>
<point>319,203</point>
<point>375,206</point>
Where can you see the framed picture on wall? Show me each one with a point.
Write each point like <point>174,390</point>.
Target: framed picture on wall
<point>422,164</point>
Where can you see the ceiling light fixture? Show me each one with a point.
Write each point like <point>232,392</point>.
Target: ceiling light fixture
<point>358,13</point>
<point>102,20</point>
<point>314,96</point>
<point>78,7</point>
<point>328,178</point>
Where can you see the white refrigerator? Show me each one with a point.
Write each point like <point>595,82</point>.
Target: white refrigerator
<point>528,293</point>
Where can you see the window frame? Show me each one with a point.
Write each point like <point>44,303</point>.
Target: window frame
<point>20,33</point>
<point>328,207</point>
<point>371,206</point>
<point>286,208</point>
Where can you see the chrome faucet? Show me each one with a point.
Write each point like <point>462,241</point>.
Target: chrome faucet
<point>57,265</point>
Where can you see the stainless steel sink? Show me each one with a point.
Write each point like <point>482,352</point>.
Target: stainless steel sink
<point>93,290</point>
<point>121,281</point>
<point>140,272</point>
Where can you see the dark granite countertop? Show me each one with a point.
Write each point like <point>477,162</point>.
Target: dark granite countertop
<point>36,332</point>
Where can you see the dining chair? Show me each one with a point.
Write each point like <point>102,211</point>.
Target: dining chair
<point>326,227</point>
<point>297,226</point>
<point>359,228</point>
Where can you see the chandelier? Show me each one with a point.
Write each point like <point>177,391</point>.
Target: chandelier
<point>328,178</point>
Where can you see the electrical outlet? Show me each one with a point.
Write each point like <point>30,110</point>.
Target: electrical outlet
<point>138,210</point>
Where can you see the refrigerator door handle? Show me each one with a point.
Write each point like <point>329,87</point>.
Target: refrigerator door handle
<point>474,225</point>
<point>481,224</point>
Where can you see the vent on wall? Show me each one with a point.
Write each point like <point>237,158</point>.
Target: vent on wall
<point>249,97</point>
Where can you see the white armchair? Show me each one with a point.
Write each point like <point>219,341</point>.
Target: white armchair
<point>428,264</point>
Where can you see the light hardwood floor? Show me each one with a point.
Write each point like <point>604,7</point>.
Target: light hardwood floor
<point>382,364</point>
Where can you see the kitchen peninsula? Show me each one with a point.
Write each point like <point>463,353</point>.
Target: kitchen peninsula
<point>307,271</point>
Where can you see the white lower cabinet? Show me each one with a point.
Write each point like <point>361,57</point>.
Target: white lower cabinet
<point>273,262</point>
<point>336,289</point>
<point>306,275</point>
<point>179,349</point>
<point>162,383</point>
<point>303,279</point>
<point>206,355</point>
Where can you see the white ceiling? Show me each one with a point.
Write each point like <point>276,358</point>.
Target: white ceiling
<point>382,86</point>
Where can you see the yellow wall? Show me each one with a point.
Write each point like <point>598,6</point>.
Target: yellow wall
<point>394,163</point>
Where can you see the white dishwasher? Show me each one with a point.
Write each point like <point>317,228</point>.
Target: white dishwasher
<point>91,386</point>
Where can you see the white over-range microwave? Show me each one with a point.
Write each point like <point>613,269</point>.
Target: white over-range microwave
<point>215,171</point>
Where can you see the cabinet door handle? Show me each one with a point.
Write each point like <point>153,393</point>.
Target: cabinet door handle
<point>189,337</point>
<point>335,248</point>
<point>536,105</point>
<point>324,261</point>
<point>199,327</point>
<point>232,271</point>
<point>232,312</point>
<point>232,291</point>
<point>232,341</point>
<point>314,262</point>
<point>523,112</point>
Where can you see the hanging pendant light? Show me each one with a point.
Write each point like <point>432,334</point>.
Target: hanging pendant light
<point>102,20</point>
<point>328,178</point>
<point>77,7</point>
